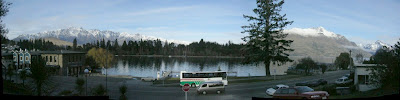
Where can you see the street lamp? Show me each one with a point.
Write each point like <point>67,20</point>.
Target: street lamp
<point>86,74</point>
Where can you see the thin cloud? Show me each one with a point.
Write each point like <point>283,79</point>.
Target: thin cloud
<point>160,10</point>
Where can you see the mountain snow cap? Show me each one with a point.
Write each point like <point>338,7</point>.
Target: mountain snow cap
<point>315,31</point>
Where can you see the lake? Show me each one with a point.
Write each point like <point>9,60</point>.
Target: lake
<point>142,66</point>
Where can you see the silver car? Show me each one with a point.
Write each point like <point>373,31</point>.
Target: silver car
<point>211,87</point>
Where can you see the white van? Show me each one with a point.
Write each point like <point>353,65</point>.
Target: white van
<point>211,87</point>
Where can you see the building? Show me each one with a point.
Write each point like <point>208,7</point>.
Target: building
<point>362,77</point>
<point>65,62</point>
<point>6,60</point>
<point>62,62</point>
<point>22,58</point>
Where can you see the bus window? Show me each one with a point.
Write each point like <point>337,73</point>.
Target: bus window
<point>210,75</point>
<point>187,75</point>
<point>223,76</point>
<point>203,75</point>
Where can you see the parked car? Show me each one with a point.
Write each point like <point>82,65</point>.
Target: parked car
<point>343,80</point>
<point>148,78</point>
<point>211,87</point>
<point>312,83</point>
<point>322,82</point>
<point>300,92</point>
<point>271,91</point>
<point>302,84</point>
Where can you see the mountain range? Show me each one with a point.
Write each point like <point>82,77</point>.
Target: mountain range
<point>371,48</point>
<point>84,36</point>
<point>320,43</point>
<point>314,42</point>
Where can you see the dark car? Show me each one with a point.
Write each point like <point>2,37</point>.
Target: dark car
<point>312,83</point>
<point>300,92</point>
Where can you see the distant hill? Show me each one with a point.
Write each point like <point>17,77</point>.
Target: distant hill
<point>319,42</point>
<point>59,42</point>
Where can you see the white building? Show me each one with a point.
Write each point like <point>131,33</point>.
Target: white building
<point>362,77</point>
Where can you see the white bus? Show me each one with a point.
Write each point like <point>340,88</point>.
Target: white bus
<point>194,79</point>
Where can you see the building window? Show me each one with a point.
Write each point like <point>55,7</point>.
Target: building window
<point>364,79</point>
<point>55,60</point>
<point>47,59</point>
<point>51,58</point>
<point>20,58</point>
<point>26,58</point>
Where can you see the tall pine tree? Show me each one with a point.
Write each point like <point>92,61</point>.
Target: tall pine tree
<point>266,41</point>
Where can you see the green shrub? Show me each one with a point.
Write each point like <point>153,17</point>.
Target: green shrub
<point>330,88</point>
<point>99,90</point>
<point>79,85</point>
<point>122,90</point>
<point>65,93</point>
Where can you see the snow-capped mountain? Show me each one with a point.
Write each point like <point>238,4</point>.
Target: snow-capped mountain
<point>319,42</point>
<point>315,31</point>
<point>371,48</point>
<point>89,36</point>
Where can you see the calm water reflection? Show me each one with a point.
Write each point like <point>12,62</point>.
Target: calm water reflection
<point>149,66</point>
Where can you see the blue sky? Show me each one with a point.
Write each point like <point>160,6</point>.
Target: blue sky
<point>361,21</point>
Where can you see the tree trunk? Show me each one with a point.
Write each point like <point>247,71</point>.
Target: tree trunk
<point>267,63</point>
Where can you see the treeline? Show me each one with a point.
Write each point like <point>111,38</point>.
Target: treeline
<point>157,47</point>
<point>142,47</point>
<point>39,44</point>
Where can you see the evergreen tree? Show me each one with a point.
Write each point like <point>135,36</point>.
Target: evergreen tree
<point>116,46</point>
<point>97,43</point>
<point>266,41</point>
<point>103,43</point>
<point>108,46</point>
<point>124,46</point>
<point>4,6</point>
<point>74,44</point>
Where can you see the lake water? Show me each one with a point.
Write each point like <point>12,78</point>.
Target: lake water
<point>149,66</point>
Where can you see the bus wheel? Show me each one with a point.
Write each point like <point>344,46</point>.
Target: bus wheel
<point>204,92</point>
<point>218,92</point>
<point>193,85</point>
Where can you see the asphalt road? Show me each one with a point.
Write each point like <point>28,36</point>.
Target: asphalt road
<point>138,90</point>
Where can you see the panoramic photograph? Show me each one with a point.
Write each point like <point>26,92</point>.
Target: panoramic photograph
<point>200,49</point>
